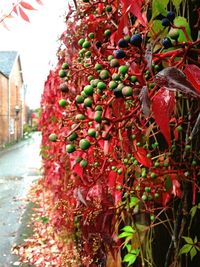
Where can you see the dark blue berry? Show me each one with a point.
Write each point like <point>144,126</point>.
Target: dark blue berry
<point>118,92</point>
<point>98,44</point>
<point>136,40</point>
<point>119,53</point>
<point>171,16</point>
<point>166,22</point>
<point>122,43</point>
<point>166,42</point>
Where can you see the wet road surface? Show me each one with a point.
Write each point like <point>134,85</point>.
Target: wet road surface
<point>19,168</point>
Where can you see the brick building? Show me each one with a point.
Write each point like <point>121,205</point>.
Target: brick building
<point>12,94</point>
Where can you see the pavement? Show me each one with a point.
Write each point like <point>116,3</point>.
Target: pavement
<point>19,168</point>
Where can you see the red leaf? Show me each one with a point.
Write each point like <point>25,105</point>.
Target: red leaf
<point>119,33</point>
<point>26,5</point>
<point>192,73</point>
<point>15,9</point>
<point>39,2</point>
<point>135,8</point>
<point>140,155</point>
<point>163,104</point>
<point>23,14</point>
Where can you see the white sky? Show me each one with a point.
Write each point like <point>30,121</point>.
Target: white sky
<point>36,43</point>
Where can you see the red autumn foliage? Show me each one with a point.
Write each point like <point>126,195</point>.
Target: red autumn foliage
<point>111,144</point>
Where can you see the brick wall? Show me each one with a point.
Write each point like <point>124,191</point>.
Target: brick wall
<point>4,136</point>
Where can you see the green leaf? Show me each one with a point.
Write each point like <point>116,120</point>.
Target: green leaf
<point>129,229</point>
<point>198,206</point>
<point>125,234</point>
<point>128,246</point>
<point>182,22</point>
<point>185,249</point>
<point>177,4</point>
<point>195,240</point>
<point>133,202</point>
<point>193,253</point>
<point>188,240</point>
<point>168,183</point>
<point>130,258</point>
<point>193,211</point>
<point>159,7</point>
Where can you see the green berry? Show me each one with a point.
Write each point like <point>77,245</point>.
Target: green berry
<point>88,53</point>
<point>119,171</point>
<point>104,74</point>
<point>53,137</point>
<point>87,102</point>
<point>114,63</point>
<point>133,79</point>
<point>144,197</point>
<point>81,41</point>
<point>110,57</point>
<point>123,69</point>
<point>88,90</point>
<point>79,99</point>
<point>70,148</point>
<point>153,175</point>
<point>112,85</point>
<point>147,189</point>
<point>101,85</point>
<point>98,108</point>
<point>78,159</point>
<point>92,132</point>
<point>83,163</point>
<point>109,8</point>
<point>98,116</point>
<point>65,66</point>
<point>62,74</point>
<point>90,78</point>
<point>107,33</point>
<point>86,44</point>
<point>62,102</point>
<point>91,35</point>
<point>115,77</point>
<point>179,128</point>
<point>80,117</point>
<point>127,91</point>
<point>84,144</point>
<point>72,136</point>
<point>98,66</point>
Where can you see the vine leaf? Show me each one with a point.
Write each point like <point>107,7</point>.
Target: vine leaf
<point>174,79</point>
<point>163,104</point>
<point>140,155</point>
<point>176,3</point>
<point>39,2</point>
<point>159,7</point>
<point>27,5</point>
<point>185,249</point>
<point>23,14</point>
<point>185,33</point>
<point>192,73</point>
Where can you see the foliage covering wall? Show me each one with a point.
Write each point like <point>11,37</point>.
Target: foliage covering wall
<point>120,132</point>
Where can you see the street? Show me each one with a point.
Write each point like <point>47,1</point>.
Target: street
<point>19,168</point>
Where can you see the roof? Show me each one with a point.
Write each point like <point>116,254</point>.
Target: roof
<point>7,60</point>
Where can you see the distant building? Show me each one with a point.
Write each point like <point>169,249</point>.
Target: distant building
<point>12,95</point>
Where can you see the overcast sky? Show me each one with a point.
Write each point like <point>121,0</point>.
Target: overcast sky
<point>36,43</point>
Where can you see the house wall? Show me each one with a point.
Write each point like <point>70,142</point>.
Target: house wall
<point>16,96</point>
<point>4,125</point>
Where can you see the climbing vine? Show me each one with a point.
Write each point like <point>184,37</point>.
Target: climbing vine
<point>120,126</point>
